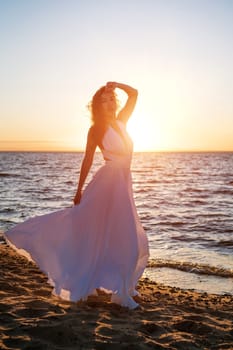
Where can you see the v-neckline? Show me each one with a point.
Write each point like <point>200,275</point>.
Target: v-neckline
<point>120,133</point>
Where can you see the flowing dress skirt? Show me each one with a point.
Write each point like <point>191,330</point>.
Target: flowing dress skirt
<point>99,243</point>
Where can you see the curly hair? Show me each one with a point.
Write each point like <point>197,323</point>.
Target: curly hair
<point>99,124</point>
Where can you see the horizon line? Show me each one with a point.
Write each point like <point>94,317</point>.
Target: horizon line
<point>53,146</point>
<point>136,151</point>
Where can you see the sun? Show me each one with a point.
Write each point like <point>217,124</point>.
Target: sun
<point>145,135</point>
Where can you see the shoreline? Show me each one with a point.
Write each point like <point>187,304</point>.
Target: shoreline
<point>169,318</point>
<point>190,281</point>
<point>205,279</point>
<point>186,276</point>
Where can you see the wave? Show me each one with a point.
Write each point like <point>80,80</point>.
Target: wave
<point>9,175</point>
<point>223,191</point>
<point>170,223</point>
<point>200,269</point>
<point>223,243</point>
<point>195,190</point>
<point>6,210</point>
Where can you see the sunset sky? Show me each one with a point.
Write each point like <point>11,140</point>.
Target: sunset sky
<point>56,53</point>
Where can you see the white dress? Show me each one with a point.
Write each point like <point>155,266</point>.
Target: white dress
<point>99,243</point>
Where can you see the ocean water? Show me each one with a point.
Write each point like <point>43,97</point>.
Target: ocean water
<point>184,201</point>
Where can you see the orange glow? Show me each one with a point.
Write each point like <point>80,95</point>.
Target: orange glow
<point>146,137</point>
<point>37,146</point>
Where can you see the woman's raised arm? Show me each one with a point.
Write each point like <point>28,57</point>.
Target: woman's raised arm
<point>128,108</point>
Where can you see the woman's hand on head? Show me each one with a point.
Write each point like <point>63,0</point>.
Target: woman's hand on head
<point>110,86</point>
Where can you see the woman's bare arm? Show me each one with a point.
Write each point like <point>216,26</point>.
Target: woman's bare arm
<point>128,108</point>
<point>86,165</point>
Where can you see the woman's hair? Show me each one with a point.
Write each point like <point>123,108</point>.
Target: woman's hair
<point>98,121</point>
<point>95,106</point>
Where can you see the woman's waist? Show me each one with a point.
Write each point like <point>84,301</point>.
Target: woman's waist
<point>122,162</point>
<point>121,158</point>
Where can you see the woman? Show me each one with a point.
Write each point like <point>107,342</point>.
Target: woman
<point>99,242</point>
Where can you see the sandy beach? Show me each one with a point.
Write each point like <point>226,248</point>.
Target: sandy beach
<point>169,318</point>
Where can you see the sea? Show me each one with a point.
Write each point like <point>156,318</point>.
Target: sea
<point>184,201</point>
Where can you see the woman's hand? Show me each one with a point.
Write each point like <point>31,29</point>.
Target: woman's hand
<point>132,93</point>
<point>77,198</point>
<point>110,86</point>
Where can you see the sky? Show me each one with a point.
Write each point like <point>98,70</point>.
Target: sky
<point>178,54</point>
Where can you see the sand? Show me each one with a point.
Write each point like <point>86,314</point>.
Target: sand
<point>169,318</point>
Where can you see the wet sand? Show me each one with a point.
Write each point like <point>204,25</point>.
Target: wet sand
<point>169,318</point>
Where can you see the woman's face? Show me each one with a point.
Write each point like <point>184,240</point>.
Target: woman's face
<point>108,103</point>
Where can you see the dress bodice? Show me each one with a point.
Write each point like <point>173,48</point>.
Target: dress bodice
<point>117,145</point>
